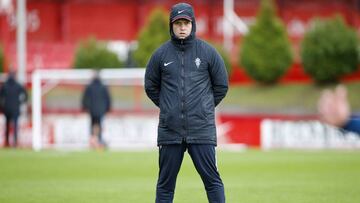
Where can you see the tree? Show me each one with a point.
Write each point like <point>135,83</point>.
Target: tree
<point>266,54</point>
<point>94,54</point>
<point>155,32</point>
<point>329,50</point>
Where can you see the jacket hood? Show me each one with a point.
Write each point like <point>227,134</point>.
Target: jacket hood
<point>11,78</point>
<point>179,11</point>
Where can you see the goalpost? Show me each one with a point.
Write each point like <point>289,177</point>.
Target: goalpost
<point>231,20</point>
<point>44,81</point>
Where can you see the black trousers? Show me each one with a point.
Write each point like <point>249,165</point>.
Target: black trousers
<point>204,159</point>
<point>97,121</point>
<point>10,119</point>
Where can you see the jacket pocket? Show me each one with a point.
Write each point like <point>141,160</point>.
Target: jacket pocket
<point>162,120</point>
<point>169,116</point>
<point>207,106</point>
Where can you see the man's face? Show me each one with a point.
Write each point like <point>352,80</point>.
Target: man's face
<point>182,28</point>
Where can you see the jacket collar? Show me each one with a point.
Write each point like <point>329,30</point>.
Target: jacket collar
<point>182,44</point>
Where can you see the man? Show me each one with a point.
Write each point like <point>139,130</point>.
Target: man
<point>186,78</point>
<point>96,100</point>
<point>12,95</point>
<point>334,110</point>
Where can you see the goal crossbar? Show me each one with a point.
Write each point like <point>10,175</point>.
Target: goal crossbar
<point>124,76</point>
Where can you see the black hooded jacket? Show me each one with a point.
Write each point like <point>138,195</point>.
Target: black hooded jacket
<point>12,95</point>
<point>96,99</point>
<point>186,79</point>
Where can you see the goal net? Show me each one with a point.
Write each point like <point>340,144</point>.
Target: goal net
<point>58,120</point>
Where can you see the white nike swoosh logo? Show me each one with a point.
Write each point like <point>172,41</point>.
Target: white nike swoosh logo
<point>166,64</point>
<point>180,11</point>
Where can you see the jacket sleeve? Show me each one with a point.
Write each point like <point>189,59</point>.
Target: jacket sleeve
<point>108,99</point>
<point>219,77</point>
<point>153,79</point>
<point>353,124</point>
<point>24,94</point>
<point>85,99</point>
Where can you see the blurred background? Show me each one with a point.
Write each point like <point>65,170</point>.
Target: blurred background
<point>279,55</point>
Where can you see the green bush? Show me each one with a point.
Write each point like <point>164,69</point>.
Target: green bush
<point>94,54</point>
<point>329,50</point>
<point>155,32</point>
<point>266,53</point>
<point>358,53</point>
<point>1,60</point>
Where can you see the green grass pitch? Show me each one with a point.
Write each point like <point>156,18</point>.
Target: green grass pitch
<point>251,177</point>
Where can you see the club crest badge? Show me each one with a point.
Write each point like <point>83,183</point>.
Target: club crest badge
<point>197,62</point>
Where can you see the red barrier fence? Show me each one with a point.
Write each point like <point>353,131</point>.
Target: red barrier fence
<point>245,129</point>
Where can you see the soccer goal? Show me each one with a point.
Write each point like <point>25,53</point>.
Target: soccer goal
<point>59,122</point>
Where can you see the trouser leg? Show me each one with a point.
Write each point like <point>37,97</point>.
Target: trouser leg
<point>92,124</point>
<point>100,131</point>
<point>96,128</point>
<point>7,131</point>
<point>170,159</point>
<point>204,159</point>
<point>15,129</point>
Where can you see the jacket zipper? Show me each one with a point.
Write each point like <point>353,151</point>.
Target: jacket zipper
<point>183,92</point>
